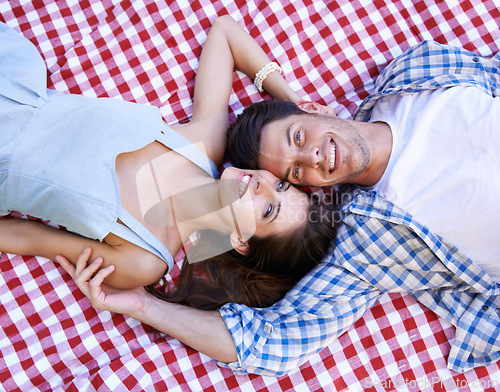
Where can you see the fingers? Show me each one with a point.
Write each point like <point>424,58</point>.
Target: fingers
<point>82,273</point>
<point>96,282</point>
<point>101,275</point>
<point>81,263</point>
<point>88,277</point>
<point>68,267</point>
<point>82,260</point>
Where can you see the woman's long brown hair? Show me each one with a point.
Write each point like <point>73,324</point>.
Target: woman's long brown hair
<point>272,266</point>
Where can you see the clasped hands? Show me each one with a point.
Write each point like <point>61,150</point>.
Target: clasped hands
<point>90,280</point>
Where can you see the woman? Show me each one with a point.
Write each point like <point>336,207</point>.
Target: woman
<point>113,165</point>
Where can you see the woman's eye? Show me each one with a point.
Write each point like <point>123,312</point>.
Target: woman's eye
<point>297,138</point>
<point>296,172</point>
<point>268,211</point>
<point>283,186</point>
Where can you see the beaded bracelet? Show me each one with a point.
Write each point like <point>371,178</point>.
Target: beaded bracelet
<point>264,73</point>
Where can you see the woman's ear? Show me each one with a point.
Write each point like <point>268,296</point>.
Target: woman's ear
<point>314,107</point>
<point>238,244</point>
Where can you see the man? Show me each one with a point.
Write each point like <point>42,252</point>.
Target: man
<point>380,248</point>
<point>424,140</point>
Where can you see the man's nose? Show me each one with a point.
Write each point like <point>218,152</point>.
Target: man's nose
<point>310,157</point>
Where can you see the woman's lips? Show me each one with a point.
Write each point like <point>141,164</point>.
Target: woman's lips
<point>243,181</point>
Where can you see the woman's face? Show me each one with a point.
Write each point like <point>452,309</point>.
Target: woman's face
<point>265,205</point>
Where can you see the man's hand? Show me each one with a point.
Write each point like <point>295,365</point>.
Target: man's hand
<point>89,280</point>
<point>203,330</point>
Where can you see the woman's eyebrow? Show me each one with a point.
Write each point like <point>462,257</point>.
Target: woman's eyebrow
<point>277,212</point>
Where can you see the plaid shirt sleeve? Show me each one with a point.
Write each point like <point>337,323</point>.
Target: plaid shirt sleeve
<point>320,308</point>
<point>430,65</point>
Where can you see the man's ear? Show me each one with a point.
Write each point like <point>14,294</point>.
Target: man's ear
<point>314,107</point>
<point>238,244</point>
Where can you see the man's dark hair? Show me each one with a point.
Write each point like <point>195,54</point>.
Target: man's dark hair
<point>245,135</point>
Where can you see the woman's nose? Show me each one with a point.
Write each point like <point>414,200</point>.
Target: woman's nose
<point>261,186</point>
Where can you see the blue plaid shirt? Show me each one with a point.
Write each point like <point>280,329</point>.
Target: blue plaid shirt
<point>380,248</point>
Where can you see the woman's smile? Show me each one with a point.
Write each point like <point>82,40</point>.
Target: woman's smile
<point>243,182</point>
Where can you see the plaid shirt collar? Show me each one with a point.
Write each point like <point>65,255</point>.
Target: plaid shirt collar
<point>430,65</point>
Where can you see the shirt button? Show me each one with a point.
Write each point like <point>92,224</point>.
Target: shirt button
<point>475,59</point>
<point>485,307</point>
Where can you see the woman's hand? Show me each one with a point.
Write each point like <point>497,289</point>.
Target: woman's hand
<point>90,281</point>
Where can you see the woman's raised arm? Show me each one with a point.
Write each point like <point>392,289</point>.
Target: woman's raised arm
<point>228,46</point>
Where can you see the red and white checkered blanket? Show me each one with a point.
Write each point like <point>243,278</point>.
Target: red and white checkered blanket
<point>146,51</point>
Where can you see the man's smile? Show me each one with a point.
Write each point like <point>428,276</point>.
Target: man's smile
<point>331,149</point>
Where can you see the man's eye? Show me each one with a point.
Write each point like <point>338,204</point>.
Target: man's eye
<point>268,211</point>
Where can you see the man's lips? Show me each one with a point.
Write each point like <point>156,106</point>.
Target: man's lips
<point>330,155</point>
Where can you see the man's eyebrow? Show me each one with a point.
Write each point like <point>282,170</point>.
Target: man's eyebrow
<point>289,141</point>
<point>287,173</point>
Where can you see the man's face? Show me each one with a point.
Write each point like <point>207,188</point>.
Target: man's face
<point>314,149</point>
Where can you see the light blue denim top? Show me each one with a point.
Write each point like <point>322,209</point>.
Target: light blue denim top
<point>58,151</point>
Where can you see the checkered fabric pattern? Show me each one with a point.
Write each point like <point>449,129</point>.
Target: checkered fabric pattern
<point>146,51</point>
